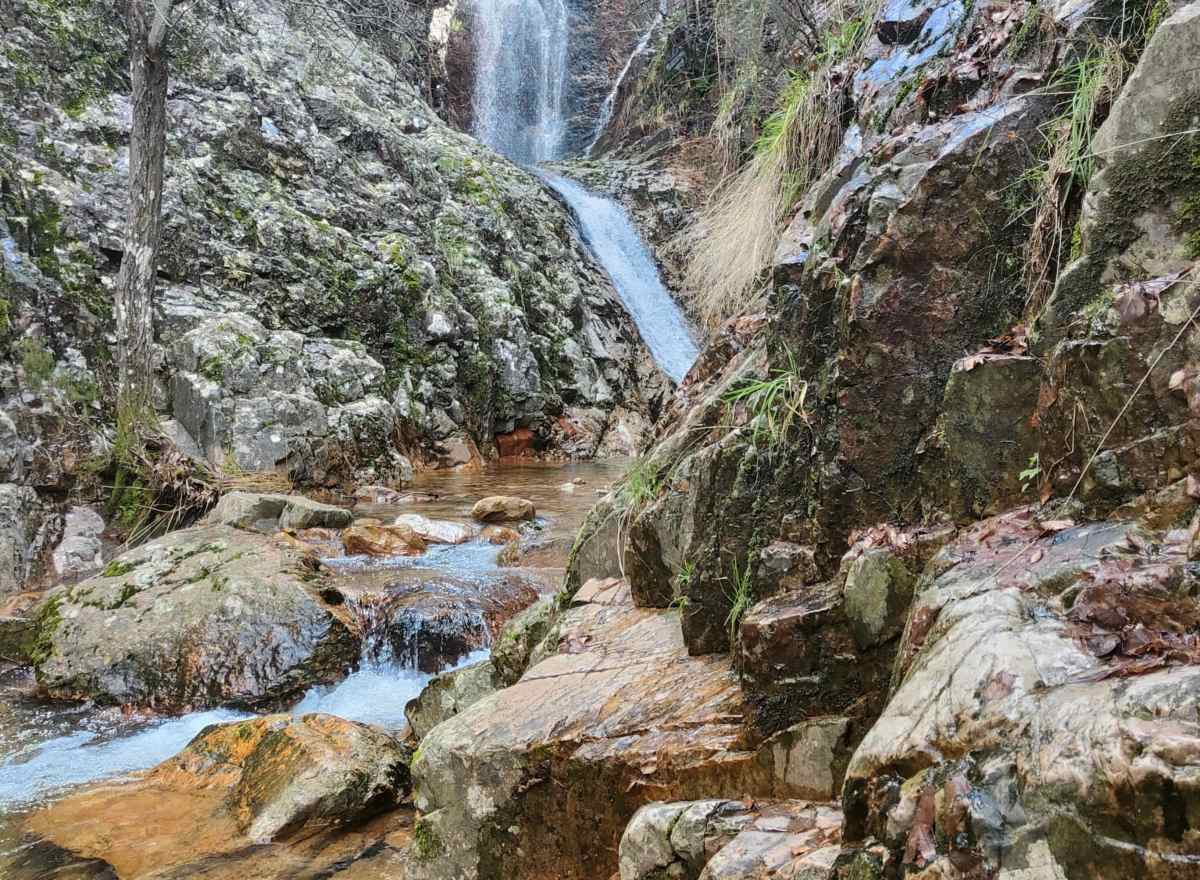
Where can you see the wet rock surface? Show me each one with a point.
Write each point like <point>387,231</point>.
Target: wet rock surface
<point>615,715</point>
<point>1045,689</point>
<point>335,323</point>
<point>235,786</point>
<point>202,617</point>
<point>731,840</point>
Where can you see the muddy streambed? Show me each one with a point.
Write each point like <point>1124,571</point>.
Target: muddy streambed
<point>47,749</point>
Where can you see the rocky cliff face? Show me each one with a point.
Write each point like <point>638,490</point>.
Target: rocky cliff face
<point>348,286</point>
<point>312,190</point>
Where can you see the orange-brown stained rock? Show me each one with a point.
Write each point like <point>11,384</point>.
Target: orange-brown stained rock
<point>537,781</point>
<point>236,786</point>
<point>515,443</point>
<point>380,540</point>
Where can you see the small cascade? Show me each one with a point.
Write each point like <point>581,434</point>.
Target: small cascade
<point>615,242</point>
<point>609,107</point>
<point>521,60</point>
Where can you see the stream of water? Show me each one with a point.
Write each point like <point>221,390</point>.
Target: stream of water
<point>521,59</point>
<point>521,75</point>
<point>615,242</point>
<point>48,748</point>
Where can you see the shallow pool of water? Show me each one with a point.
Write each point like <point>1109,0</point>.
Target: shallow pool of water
<point>46,749</point>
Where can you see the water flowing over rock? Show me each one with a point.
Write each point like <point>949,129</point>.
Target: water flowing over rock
<point>618,247</point>
<point>521,69</point>
<point>234,786</point>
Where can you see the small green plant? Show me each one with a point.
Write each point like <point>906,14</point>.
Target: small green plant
<point>1032,473</point>
<point>640,484</point>
<point>683,580</point>
<point>1087,87</point>
<point>426,842</point>
<point>37,361</point>
<point>776,404</point>
<point>118,568</point>
<point>740,596</point>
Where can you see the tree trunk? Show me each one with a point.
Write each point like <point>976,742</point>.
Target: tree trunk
<point>134,295</point>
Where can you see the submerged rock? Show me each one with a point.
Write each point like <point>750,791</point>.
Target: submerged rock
<point>202,617</point>
<point>264,780</point>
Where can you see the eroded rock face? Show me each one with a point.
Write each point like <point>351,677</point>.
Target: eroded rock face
<point>344,277</point>
<point>250,782</point>
<point>555,766</point>
<point>1040,721</point>
<point>202,617</point>
<point>23,536</point>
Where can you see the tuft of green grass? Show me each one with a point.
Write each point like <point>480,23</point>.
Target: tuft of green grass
<point>776,404</point>
<point>734,237</point>
<point>741,597</point>
<point>1088,87</point>
<point>640,485</point>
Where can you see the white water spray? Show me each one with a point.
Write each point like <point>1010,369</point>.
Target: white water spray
<point>521,72</point>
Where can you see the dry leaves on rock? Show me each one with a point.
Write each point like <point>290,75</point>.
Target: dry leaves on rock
<point>1132,613</point>
<point>1014,342</point>
<point>1136,299</point>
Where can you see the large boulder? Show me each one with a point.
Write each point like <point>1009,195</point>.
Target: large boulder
<point>1043,712</point>
<point>202,617</point>
<point>555,766</point>
<point>237,785</point>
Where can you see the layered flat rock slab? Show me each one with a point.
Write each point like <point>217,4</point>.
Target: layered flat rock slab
<point>202,617</point>
<point>731,840</point>
<point>1044,722</point>
<point>235,786</point>
<point>539,780</point>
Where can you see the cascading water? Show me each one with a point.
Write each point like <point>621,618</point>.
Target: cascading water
<point>521,64</point>
<point>617,246</point>
<point>520,80</point>
<point>609,107</point>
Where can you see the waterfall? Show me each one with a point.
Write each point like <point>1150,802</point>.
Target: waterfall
<point>521,64</point>
<point>609,107</point>
<point>613,239</point>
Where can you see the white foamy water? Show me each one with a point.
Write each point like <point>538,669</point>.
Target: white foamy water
<point>375,694</point>
<point>89,755</point>
<point>614,241</point>
<point>114,747</point>
<point>521,71</point>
